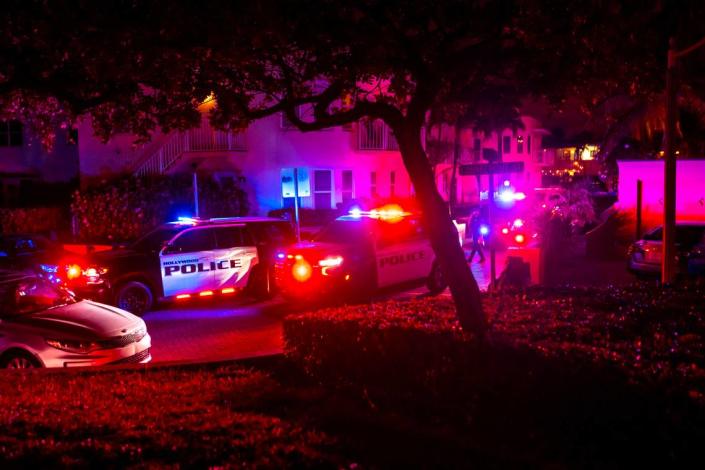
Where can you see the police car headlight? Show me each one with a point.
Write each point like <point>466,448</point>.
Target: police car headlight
<point>73,346</point>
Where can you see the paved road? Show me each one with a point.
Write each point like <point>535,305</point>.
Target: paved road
<point>207,330</point>
<point>211,331</point>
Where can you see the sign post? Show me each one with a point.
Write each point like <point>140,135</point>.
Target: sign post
<point>491,169</point>
<point>296,184</point>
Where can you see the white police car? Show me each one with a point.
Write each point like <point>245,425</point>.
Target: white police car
<point>361,251</point>
<point>194,258</point>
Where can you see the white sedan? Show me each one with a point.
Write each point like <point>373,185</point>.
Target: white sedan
<point>43,325</point>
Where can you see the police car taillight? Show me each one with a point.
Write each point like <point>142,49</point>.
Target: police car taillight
<point>73,271</point>
<point>301,271</point>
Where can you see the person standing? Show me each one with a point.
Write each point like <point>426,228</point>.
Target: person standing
<point>476,230</point>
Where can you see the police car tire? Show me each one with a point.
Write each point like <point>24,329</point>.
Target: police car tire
<point>436,282</point>
<point>262,287</point>
<point>134,286</point>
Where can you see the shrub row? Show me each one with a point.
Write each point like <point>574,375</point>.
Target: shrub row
<point>33,220</point>
<point>575,370</point>
<point>125,209</point>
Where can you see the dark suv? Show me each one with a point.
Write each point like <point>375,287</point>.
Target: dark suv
<point>32,253</point>
<point>194,258</point>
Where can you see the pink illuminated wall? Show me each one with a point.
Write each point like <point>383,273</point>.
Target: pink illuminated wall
<point>690,187</point>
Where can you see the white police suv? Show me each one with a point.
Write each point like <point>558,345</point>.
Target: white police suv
<point>360,252</point>
<point>194,258</point>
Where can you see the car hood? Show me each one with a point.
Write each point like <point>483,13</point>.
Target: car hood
<point>84,319</point>
<point>320,248</point>
<point>110,255</point>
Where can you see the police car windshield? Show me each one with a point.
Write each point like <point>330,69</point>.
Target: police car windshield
<point>345,231</point>
<point>156,239</point>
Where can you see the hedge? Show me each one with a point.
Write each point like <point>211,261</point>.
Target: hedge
<point>125,209</point>
<point>574,370</point>
<point>33,220</point>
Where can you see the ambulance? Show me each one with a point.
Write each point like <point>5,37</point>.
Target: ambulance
<point>360,252</point>
<point>194,258</point>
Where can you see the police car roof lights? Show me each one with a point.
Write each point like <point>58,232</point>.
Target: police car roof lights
<point>187,220</point>
<point>390,212</point>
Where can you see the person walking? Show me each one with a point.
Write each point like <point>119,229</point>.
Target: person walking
<point>476,230</point>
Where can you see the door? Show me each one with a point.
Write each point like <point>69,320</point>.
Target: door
<point>403,252</point>
<point>235,255</point>
<point>187,263</point>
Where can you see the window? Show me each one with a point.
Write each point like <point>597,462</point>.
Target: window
<point>273,233</point>
<point>520,144</point>
<point>347,189</point>
<point>392,182</point>
<point>322,189</point>
<point>506,144</point>
<point>10,133</point>
<point>528,144</point>
<point>192,241</point>
<point>230,237</point>
<point>373,183</point>
<point>477,149</point>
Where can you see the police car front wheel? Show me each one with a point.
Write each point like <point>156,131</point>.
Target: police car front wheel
<point>135,297</point>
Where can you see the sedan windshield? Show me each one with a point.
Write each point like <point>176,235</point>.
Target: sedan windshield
<point>31,295</point>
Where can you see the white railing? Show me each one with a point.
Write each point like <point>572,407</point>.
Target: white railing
<point>202,139</point>
<point>375,135</point>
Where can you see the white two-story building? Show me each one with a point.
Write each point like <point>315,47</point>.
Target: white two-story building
<point>360,161</point>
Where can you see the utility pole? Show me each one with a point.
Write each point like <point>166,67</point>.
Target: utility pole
<point>668,261</point>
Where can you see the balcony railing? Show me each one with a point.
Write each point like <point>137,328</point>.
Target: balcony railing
<point>203,139</point>
<point>375,135</point>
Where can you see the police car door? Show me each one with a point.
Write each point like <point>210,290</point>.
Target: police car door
<point>187,262</point>
<point>402,254</point>
<point>234,256</point>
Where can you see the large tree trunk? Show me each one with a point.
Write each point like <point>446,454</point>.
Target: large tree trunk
<point>444,236</point>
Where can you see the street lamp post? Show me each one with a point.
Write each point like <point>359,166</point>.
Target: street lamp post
<point>668,264</point>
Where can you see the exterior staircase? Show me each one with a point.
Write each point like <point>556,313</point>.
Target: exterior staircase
<point>177,145</point>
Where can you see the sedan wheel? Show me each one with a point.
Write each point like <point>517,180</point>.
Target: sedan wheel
<point>19,361</point>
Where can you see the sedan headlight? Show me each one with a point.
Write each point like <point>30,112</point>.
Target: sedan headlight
<point>73,346</point>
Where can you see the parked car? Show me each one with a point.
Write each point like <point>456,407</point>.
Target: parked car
<point>34,253</point>
<point>361,251</point>
<point>194,258</point>
<point>645,254</point>
<point>43,325</point>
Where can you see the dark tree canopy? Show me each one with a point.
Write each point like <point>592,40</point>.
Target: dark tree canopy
<point>140,66</point>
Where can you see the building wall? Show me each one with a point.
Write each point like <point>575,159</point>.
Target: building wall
<point>690,190</point>
<point>269,149</point>
<point>58,165</point>
<point>525,145</point>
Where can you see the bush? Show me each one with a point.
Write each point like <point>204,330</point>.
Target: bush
<point>565,373</point>
<point>124,210</point>
<point>33,220</point>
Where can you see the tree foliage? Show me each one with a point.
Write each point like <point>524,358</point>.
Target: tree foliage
<point>140,66</point>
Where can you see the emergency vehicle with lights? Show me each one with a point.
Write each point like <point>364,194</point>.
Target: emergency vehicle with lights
<point>194,258</point>
<point>360,252</point>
